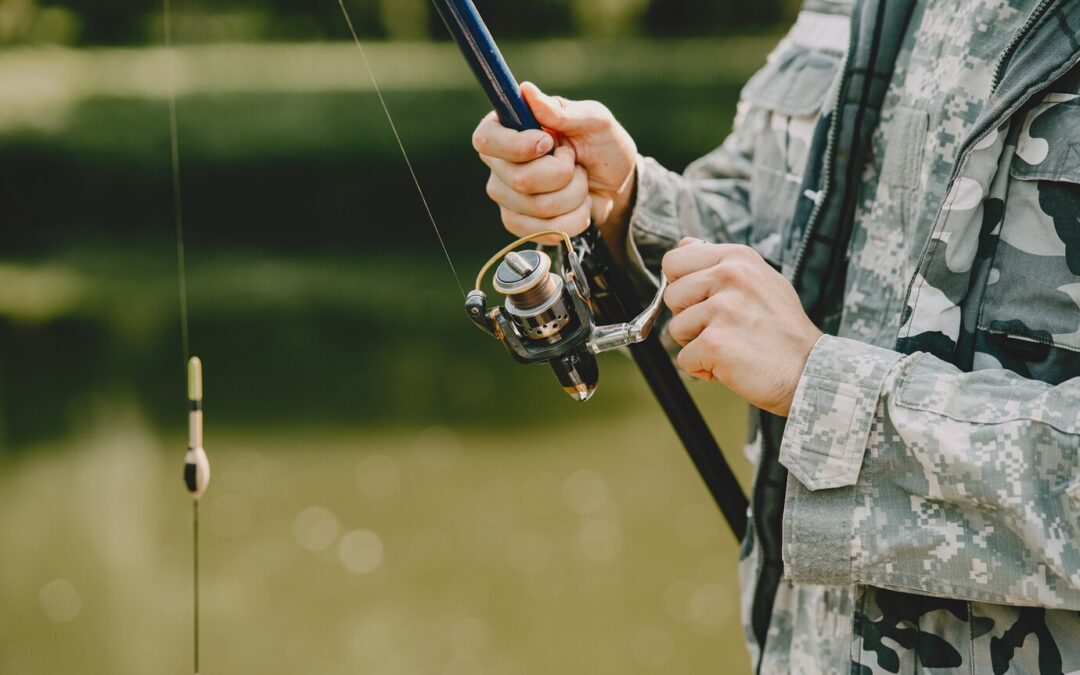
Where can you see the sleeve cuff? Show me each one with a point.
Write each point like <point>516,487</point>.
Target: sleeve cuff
<point>654,225</point>
<point>833,411</point>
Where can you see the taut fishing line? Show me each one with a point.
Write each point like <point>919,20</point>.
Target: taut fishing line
<point>397,137</point>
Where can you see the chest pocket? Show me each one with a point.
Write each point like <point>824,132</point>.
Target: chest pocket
<point>1030,316</point>
<point>782,103</point>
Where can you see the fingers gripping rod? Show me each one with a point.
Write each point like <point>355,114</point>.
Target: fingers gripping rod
<point>613,294</point>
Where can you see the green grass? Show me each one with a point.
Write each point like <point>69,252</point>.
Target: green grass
<point>286,145</point>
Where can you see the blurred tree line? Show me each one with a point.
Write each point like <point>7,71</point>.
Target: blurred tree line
<point>129,22</point>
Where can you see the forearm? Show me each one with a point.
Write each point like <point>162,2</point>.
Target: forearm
<point>908,473</point>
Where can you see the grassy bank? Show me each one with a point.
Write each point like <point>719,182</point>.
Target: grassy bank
<point>285,145</point>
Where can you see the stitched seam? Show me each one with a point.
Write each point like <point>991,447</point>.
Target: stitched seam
<point>1065,429</point>
<point>931,249</point>
<point>1056,176</point>
<point>971,638</point>
<point>950,590</point>
<point>1028,338</point>
<point>903,402</point>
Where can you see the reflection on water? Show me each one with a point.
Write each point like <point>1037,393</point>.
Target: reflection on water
<point>392,494</point>
<point>344,550</point>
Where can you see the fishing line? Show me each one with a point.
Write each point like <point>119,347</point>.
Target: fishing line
<point>181,266</point>
<point>174,151</point>
<point>397,137</point>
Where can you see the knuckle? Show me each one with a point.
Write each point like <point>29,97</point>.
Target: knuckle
<point>521,181</point>
<point>566,172</point>
<point>669,299</point>
<point>596,111</point>
<point>683,360</point>
<point>513,223</point>
<point>677,334</point>
<point>667,261</point>
<point>492,188</point>
<point>738,272</point>
<point>745,252</point>
<point>576,221</point>
<point>712,340</point>
<point>480,140</point>
<point>580,178</point>
<point>548,206</point>
<point>721,273</point>
<point>719,304</point>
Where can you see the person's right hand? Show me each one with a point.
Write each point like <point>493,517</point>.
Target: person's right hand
<point>591,174</point>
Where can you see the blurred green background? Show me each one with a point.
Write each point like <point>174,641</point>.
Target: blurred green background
<point>391,493</point>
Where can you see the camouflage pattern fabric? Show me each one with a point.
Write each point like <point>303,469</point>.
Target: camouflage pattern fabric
<point>904,633</point>
<point>933,506</point>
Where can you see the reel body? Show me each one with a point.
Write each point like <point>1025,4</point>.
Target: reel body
<point>547,316</point>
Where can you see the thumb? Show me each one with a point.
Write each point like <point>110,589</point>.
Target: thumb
<point>557,113</point>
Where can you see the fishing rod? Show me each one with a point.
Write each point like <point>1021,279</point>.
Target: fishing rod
<point>565,317</point>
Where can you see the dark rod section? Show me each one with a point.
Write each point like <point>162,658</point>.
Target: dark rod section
<point>613,293</point>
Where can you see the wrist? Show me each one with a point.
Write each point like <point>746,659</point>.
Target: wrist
<point>798,367</point>
<point>617,220</point>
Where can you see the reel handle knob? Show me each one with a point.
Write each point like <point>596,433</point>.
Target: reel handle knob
<point>614,336</point>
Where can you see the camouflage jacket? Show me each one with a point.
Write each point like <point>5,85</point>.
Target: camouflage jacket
<point>913,166</point>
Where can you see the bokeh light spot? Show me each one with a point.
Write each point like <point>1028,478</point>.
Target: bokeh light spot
<point>437,448</point>
<point>600,540</point>
<point>710,607</point>
<point>60,600</point>
<point>361,551</point>
<point>585,491</point>
<point>677,600</point>
<point>315,528</point>
<point>470,636</point>
<point>651,646</point>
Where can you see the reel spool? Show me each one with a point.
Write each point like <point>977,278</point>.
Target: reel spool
<point>546,316</point>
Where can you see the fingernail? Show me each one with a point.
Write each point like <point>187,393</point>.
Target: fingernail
<point>545,144</point>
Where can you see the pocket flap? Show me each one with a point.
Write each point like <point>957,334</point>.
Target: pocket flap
<point>794,82</point>
<point>1049,144</point>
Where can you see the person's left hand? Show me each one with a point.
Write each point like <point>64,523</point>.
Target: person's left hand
<point>739,321</point>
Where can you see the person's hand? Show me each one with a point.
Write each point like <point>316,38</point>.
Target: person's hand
<point>739,321</point>
<point>591,174</point>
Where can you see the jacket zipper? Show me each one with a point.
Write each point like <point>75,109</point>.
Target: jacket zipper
<point>1006,56</point>
<point>827,168</point>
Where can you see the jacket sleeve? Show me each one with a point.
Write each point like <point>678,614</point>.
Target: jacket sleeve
<point>745,191</point>
<point>709,201</point>
<point>909,474</point>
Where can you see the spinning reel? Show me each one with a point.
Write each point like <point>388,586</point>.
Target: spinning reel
<point>548,317</point>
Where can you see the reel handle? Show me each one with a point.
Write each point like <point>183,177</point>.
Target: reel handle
<point>614,336</point>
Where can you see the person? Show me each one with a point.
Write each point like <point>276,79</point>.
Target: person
<point>883,259</point>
